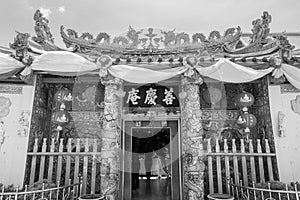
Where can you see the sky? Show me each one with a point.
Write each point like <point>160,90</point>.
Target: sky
<point>115,16</point>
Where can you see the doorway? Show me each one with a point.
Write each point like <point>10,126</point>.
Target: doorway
<point>152,168</point>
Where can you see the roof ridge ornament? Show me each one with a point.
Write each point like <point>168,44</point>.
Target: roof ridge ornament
<point>42,29</point>
<point>261,29</point>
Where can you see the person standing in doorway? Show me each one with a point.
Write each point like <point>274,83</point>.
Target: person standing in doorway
<point>135,165</point>
<point>148,159</point>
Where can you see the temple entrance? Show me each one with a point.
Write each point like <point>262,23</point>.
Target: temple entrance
<point>151,164</point>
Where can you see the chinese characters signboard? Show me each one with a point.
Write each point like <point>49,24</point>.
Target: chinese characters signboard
<point>151,95</point>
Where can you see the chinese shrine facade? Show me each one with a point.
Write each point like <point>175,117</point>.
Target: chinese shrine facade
<point>206,107</point>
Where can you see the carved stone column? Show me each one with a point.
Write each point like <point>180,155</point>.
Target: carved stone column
<point>192,141</point>
<point>110,160</point>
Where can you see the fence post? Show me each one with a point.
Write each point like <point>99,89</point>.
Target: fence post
<point>17,191</point>
<point>219,174</point>
<point>50,169</point>
<point>85,166</point>
<point>26,188</point>
<point>260,162</point>
<point>76,170</point>
<point>68,163</point>
<point>269,161</point>
<point>42,163</point>
<point>235,164</point>
<point>33,162</point>
<point>254,191</point>
<point>80,187</point>
<point>227,166</point>
<point>244,164</point>
<point>43,188</point>
<point>2,192</point>
<point>57,192</point>
<point>210,170</point>
<point>252,162</point>
<point>297,193</point>
<point>59,160</point>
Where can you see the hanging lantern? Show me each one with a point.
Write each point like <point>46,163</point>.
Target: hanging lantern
<point>61,117</point>
<point>244,100</point>
<point>247,121</point>
<point>63,96</point>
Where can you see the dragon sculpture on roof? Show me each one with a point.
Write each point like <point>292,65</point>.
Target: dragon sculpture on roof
<point>150,43</point>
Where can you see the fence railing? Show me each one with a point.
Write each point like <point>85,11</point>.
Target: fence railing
<point>70,192</point>
<point>64,160</point>
<point>270,191</point>
<point>250,161</point>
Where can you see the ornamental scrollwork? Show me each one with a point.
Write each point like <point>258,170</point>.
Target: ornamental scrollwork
<point>71,33</point>
<point>199,38</point>
<point>182,38</point>
<point>102,38</point>
<point>133,35</point>
<point>120,40</point>
<point>87,36</point>
<point>214,35</point>
<point>169,37</point>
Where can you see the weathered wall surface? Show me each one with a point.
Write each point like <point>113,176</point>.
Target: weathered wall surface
<point>15,115</point>
<point>287,143</point>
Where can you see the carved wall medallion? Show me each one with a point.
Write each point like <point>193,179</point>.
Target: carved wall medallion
<point>5,103</point>
<point>295,103</point>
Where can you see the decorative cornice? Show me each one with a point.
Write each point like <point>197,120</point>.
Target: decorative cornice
<point>220,114</point>
<point>288,88</point>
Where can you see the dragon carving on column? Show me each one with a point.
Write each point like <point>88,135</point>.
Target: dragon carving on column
<point>192,140</point>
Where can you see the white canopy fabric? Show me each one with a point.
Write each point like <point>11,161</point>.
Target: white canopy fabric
<point>226,71</point>
<point>143,75</point>
<point>292,74</point>
<point>9,66</point>
<point>70,64</point>
<point>63,63</point>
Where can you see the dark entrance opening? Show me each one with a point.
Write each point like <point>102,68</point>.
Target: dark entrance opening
<point>151,161</point>
<point>151,175</point>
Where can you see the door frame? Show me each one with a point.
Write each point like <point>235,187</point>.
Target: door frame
<point>134,118</point>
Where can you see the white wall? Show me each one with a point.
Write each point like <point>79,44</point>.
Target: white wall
<point>15,129</point>
<point>288,147</point>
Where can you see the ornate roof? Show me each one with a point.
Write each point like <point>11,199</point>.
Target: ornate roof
<point>150,41</point>
<point>149,44</point>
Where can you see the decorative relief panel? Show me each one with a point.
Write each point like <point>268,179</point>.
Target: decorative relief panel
<point>24,123</point>
<point>288,88</point>
<point>220,114</point>
<point>87,124</point>
<point>11,89</point>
